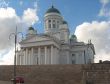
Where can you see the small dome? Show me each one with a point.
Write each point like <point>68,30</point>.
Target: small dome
<point>31,28</point>
<point>31,31</point>
<point>73,36</point>
<point>53,10</point>
<point>64,22</point>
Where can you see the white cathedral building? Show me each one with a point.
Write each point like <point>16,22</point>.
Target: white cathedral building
<point>55,45</point>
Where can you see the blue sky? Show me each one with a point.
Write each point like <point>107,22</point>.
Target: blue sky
<point>88,19</point>
<point>74,12</point>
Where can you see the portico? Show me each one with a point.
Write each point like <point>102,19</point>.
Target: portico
<point>38,55</point>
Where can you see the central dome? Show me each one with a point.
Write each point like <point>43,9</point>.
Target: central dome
<point>53,10</point>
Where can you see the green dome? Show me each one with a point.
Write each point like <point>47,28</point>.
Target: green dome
<point>64,22</point>
<point>73,36</point>
<point>53,10</point>
<point>31,28</point>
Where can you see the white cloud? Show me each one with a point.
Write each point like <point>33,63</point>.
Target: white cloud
<point>105,9</point>
<point>104,2</point>
<point>30,16</point>
<point>3,3</point>
<point>36,4</point>
<point>8,22</point>
<point>99,33</point>
<point>8,59</point>
<point>21,3</point>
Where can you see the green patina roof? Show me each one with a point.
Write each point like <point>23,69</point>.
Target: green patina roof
<point>64,22</point>
<point>53,10</point>
<point>31,28</point>
<point>73,36</point>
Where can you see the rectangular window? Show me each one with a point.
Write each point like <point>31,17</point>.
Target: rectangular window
<point>73,55</point>
<point>53,20</point>
<point>49,20</point>
<point>89,61</point>
<point>54,26</point>
<point>49,25</point>
<point>73,59</point>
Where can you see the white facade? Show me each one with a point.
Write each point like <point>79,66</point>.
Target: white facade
<point>54,46</point>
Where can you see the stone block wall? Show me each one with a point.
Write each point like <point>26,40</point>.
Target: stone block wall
<point>59,74</point>
<point>44,74</point>
<point>96,74</point>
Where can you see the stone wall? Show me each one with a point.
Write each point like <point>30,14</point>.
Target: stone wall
<point>5,82</point>
<point>44,74</point>
<point>96,74</point>
<point>59,74</point>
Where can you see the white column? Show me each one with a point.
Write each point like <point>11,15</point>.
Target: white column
<point>39,55</point>
<point>32,56</point>
<point>26,56</point>
<point>18,59</point>
<point>56,56</point>
<point>52,54</point>
<point>29,60</point>
<point>58,53</point>
<point>67,54</point>
<point>23,58</point>
<point>45,54</point>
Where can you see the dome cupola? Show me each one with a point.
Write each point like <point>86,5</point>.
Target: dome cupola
<point>64,22</point>
<point>31,28</point>
<point>52,20</point>
<point>31,31</point>
<point>73,38</point>
<point>53,10</point>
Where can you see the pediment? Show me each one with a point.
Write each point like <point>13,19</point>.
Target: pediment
<point>36,38</point>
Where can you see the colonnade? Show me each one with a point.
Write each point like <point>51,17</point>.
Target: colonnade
<point>28,56</point>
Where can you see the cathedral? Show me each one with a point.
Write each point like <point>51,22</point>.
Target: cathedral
<point>55,45</point>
